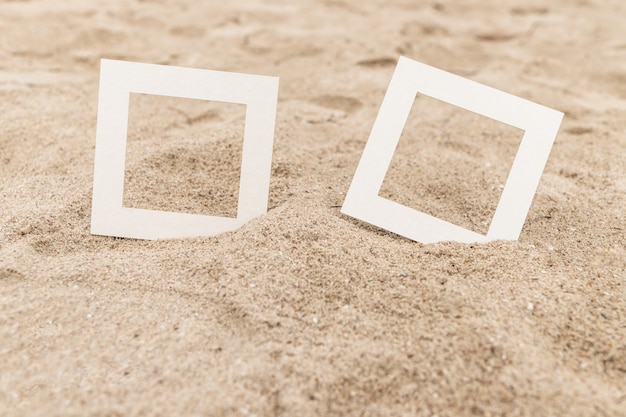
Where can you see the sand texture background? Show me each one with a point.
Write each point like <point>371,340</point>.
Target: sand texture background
<point>304,311</point>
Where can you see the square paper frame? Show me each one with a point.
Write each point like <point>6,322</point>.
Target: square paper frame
<point>117,80</point>
<point>540,125</point>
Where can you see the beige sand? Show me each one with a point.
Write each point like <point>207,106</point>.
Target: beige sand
<point>306,312</point>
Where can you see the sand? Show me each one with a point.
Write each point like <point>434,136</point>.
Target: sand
<point>305,311</point>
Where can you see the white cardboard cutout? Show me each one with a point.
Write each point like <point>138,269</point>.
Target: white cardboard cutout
<point>540,124</point>
<point>117,80</point>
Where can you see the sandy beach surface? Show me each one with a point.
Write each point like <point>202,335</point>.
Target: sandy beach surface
<point>305,311</point>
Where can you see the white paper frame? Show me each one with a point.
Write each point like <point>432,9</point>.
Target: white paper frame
<point>540,125</point>
<point>117,80</point>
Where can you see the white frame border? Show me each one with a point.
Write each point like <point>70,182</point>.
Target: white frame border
<point>117,80</point>
<point>540,125</point>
